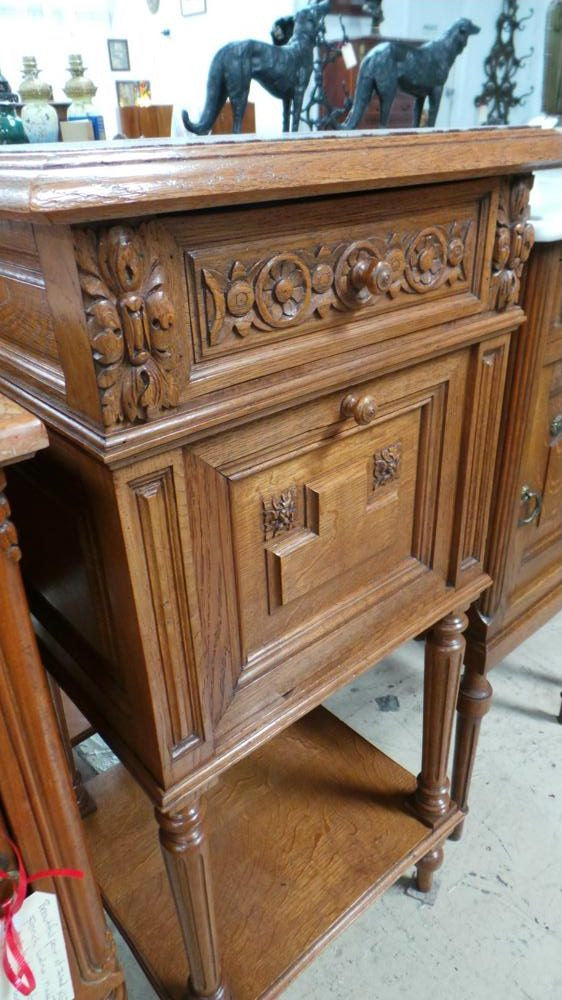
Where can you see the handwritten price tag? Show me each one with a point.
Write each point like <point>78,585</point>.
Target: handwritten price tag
<point>349,57</point>
<point>39,927</point>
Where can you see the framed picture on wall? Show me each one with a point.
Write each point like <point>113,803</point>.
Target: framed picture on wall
<point>353,8</point>
<point>131,92</point>
<point>118,49</point>
<point>190,7</point>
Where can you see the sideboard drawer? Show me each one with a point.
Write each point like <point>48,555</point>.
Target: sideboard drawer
<point>303,519</point>
<point>270,288</point>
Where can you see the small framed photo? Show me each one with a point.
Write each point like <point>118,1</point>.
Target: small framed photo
<point>190,7</point>
<point>133,92</point>
<point>118,49</point>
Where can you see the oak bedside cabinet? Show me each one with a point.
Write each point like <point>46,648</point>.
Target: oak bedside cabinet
<point>273,375</point>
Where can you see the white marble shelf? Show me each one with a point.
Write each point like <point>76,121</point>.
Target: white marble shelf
<point>546,205</point>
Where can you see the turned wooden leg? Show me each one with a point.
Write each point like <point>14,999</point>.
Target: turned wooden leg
<point>85,802</point>
<point>426,867</point>
<point>475,696</point>
<point>186,855</point>
<point>444,650</point>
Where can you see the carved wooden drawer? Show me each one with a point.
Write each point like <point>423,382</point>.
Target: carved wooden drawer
<point>323,512</point>
<point>270,287</point>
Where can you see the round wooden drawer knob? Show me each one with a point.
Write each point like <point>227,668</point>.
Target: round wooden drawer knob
<point>362,408</point>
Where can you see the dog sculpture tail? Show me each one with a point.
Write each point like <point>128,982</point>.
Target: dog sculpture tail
<point>363,94</point>
<point>216,98</point>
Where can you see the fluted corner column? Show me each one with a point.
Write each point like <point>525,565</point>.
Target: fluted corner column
<point>444,650</point>
<point>186,855</point>
<point>475,698</point>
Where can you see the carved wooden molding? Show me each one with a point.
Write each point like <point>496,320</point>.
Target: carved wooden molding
<point>8,534</point>
<point>288,288</point>
<point>131,320</point>
<point>280,513</point>
<point>157,508</point>
<point>386,465</point>
<point>514,241</point>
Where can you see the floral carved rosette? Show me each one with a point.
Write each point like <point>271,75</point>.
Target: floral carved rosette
<point>130,321</point>
<point>514,241</point>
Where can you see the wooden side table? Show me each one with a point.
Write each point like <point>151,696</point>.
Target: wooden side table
<point>37,803</point>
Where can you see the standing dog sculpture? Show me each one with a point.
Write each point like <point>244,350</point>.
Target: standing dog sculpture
<point>418,70</point>
<point>284,71</point>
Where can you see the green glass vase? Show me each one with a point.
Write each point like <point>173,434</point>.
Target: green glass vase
<point>11,127</point>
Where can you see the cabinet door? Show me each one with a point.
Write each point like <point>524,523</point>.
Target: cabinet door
<point>538,539</point>
<point>539,533</point>
<point>306,522</point>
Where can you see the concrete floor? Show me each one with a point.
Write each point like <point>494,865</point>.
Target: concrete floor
<point>494,931</point>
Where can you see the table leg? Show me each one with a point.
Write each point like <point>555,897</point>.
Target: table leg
<point>475,696</point>
<point>426,867</point>
<point>84,800</point>
<point>444,650</point>
<point>185,850</point>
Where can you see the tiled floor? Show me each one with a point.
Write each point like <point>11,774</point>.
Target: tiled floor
<point>494,931</point>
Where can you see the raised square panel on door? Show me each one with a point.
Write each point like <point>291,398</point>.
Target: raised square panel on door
<point>302,520</point>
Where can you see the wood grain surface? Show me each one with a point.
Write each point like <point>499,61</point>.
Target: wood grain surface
<point>113,180</point>
<point>21,434</point>
<point>304,833</point>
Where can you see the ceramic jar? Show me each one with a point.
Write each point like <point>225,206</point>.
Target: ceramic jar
<point>81,92</point>
<point>40,120</point>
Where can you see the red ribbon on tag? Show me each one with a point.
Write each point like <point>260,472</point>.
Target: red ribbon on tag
<point>14,964</point>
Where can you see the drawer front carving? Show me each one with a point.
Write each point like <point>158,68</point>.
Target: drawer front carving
<point>286,290</point>
<point>302,519</point>
<point>270,275</point>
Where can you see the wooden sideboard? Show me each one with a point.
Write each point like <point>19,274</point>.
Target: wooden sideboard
<point>524,548</point>
<point>525,541</point>
<point>273,376</point>
<point>37,808</point>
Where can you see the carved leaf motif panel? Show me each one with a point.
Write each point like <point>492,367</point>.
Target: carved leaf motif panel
<point>241,297</point>
<point>132,319</point>
<point>386,465</point>
<point>280,513</point>
<point>514,241</point>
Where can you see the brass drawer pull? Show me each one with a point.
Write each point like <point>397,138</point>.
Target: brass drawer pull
<point>362,408</point>
<point>556,425</point>
<point>527,494</point>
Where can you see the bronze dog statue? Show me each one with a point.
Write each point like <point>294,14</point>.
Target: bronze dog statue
<point>418,70</point>
<point>284,71</point>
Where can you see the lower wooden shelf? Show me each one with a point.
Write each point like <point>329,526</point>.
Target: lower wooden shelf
<point>304,834</point>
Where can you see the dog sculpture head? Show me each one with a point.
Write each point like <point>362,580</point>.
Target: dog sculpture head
<point>461,31</point>
<point>282,30</point>
<point>307,19</point>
